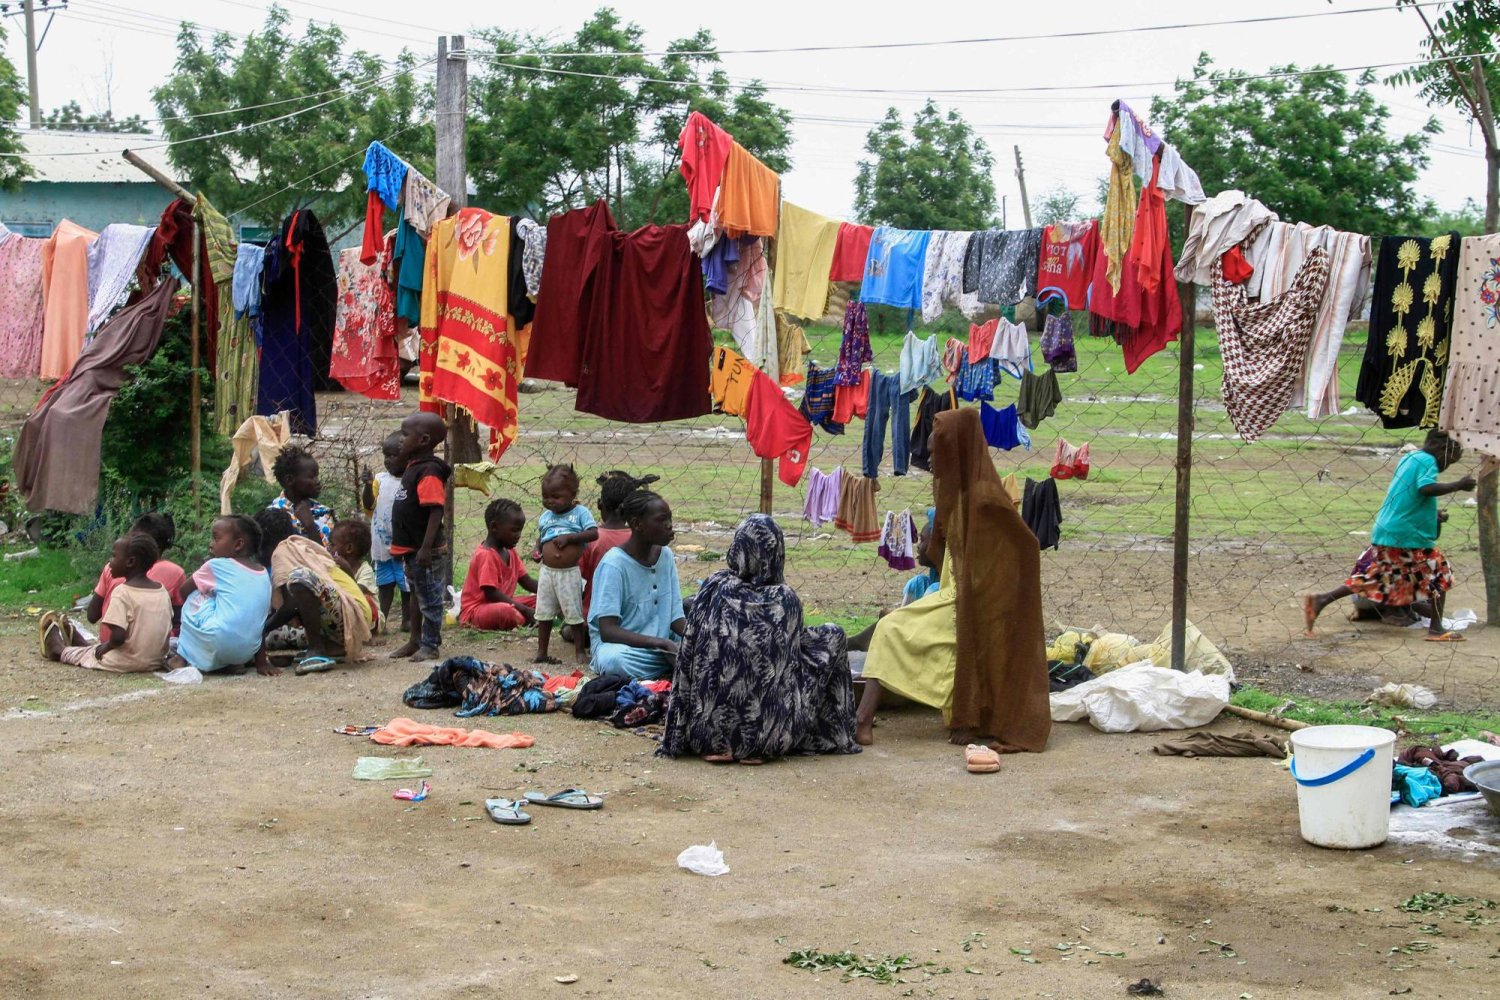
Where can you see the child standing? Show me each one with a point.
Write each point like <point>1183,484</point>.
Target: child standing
<point>163,531</point>
<point>564,528</point>
<point>417,529</point>
<point>139,617</point>
<point>489,598</point>
<point>297,472</point>
<point>379,498</point>
<point>226,601</point>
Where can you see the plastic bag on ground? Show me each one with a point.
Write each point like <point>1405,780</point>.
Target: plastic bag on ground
<point>1065,647</point>
<point>1112,650</point>
<point>1143,697</point>
<point>391,768</point>
<point>183,675</point>
<point>703,860</point>
<point>1402,696</point>
<point>1198,653</point>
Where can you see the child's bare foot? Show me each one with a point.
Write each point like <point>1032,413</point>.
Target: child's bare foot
<point>53,641</point>
<point>1310,611</point>
<point>425,654</point>
<point>407,650</point>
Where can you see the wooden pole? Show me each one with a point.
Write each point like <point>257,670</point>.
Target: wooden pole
<point>156,175</point>
<point>1187,291</point>
<point>767,486</point>
<point>195,418</point>
<point>1488,495</point>
<point>1021,180</point>
<point>452,169</point>
<point>28,8</point>
<point>1265,718</point>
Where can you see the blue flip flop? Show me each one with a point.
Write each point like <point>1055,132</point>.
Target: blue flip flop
<point>506,812</point>
<point>570,798</point>
<point>313,665</point>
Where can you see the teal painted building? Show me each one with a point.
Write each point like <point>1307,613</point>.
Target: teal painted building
<point>82,176</point>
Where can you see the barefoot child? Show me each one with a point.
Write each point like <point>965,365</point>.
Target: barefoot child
<point>417,530</point>
<point>350,545</point>
<point>564,528</point>
<point>139,617</point>
<point>226,601</point>
<point>170,575</point>
<point>379,498</point>
<point>489,598</point>
<point>1403,562</point>
<point>297,472</point>
<point>315,605</point>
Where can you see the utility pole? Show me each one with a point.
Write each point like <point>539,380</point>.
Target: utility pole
<point>29,6</point>
<point>1021,179</point>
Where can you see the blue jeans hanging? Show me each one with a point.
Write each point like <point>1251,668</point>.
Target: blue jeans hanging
<point>887,404</point>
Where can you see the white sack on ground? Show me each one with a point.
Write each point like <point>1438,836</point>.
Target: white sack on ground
<point>1143,697</point>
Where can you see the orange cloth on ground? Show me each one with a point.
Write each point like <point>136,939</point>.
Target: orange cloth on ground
<point>749,195</point>
<point>409,733</point>
<point>65,292</point>
<point>729,379</point>
<point>560,682</point>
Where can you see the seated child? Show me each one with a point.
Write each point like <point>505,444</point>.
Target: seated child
<point>489,598</point>
<point>139,617</point>
<point>350,545</point>
<point>226,601</point>
<point>316,605</point>
<point>170,575</point>
<point>564,528</point>
<point>380,500</point>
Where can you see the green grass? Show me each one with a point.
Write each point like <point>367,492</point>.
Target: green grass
<point>51,580</point>
<point>1421,726</point>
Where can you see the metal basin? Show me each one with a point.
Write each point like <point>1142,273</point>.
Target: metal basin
<point>1486,777</point>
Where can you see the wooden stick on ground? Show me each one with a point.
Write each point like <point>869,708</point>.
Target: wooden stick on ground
<point>1265,718</point>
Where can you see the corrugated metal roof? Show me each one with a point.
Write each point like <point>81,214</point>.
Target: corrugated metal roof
<point>68,157</point>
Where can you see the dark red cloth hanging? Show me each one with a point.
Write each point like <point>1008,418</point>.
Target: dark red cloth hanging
<point>1152,317</point>
<point>374,231</point>
<point>574,241</point>
<point>174,239</point>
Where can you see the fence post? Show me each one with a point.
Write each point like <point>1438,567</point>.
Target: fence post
<point>767,486</point>
<point>452,169</point>
<point>195,391</point>
<point>1188,293</point>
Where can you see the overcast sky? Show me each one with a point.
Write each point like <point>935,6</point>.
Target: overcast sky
<point>111,52</point>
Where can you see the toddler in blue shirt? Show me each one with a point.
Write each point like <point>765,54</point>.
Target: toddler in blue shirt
<point>565,529</point>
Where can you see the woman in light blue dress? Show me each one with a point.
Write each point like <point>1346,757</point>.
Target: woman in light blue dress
<point>635,611</point>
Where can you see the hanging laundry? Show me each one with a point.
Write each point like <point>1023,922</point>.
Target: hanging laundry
<point>775,429</point>
<point>1002,428</point>
<point>955,356</point>
<point>1042,512</point>
<point>1057,342</point>
<point>730,378</point>
<point>535,238</point>
<point>857,508</point>
<point>854,349</point>
<point>364,328</point>
<point>1471,398</point>
<point>1237,269</point>
<point>21,306</point>
<point>850,252</point>
<point>705,148</point>
<point>1038,397</point>
<point>898,541</point>
<point>981,340</point>
<point>1276,255</point>
<point>791,348</point>
<point>65,283</point>
<point>173,240</point>
<point>1224,221</point>
<point>574,244</point>
<point>1065,263</point>
<point>929,405</point>
<point>1011,348</point>
<point>1178,181</point>
<point>850,401</point>
<point>976,381</point>
<point>893,272</point>
<point>1012,489</point>
<point>1145,319</point>
<point>749,195</point>
<point>385,176</point>
<point>823,493</point>
<point>1117,224</point>
<point>57,454</point>
<point>1264,343</point>
<point>763,348</point>
<point>722,256</point>
<point>1401,378</point>
<point>522,310</point>
<point>887,404</point>
<point>1001,265</point>
<point>298,305</point>
<point>257,438</point>
<point>248,261</point>
<point>817,399</point>
<point>736,309</point>
<point>919,362</point>
<point>943,277</point>
<point>236,365</point>
<point>112,262</point>
<point>423,203</point>
<point>804,256</point>
<point>469,352</point>
<point>1070,462</point>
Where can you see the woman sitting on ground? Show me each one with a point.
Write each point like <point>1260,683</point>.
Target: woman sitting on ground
<point>976,648</point>
<point>751,683</point>
<point>308,587</point>
<point>635,615</point>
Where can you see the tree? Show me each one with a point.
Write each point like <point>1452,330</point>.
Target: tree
<point>70,116</point>
<point>1311,147</point>
<point>938,176</point>
<point>321,104</point>
<point>1059,203</point>
<point>1467,220</point>
<point>12,99</point>
<point>551,133</point>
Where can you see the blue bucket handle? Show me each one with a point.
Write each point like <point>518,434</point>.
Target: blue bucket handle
<point>1343,772</point>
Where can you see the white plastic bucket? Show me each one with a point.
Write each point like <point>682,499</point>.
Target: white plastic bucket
<point>1343,784</point>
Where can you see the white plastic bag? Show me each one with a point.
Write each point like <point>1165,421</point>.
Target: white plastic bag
<point>1143,697</point>
<point>183,675</point>
<point>703,860</point>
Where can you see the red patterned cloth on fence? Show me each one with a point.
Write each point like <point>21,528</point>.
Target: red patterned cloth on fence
<point>21,305</point>
<point>1145,311</point>
<point>469,356</point>
<point>1265,343</point>
<point>1384,574</point>
<point>364,328</point>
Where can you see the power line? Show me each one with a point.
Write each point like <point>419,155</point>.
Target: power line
<point>298,183</point>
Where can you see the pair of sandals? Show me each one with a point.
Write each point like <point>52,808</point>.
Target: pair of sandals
<point>508,812</point>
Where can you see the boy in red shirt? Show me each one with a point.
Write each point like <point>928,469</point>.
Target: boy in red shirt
<point>417,530</point>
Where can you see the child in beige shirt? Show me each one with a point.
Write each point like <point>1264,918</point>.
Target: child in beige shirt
<point>139,617</point>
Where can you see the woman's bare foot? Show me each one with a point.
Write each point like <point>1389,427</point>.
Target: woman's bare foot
<point>1310,611</point>
<point>407,649</point>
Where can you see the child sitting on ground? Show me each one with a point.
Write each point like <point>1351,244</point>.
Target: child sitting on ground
<point>564,528</point>
<point>297,472</point>
<point>170,575</point>
<point>417,530</point>
<point>139,617</point>
<point>226,601</point>
<point>317,609</point>
<point>379,498</point>
<point>350,545</point>
<point>489,598</point>
<point>614,487</point>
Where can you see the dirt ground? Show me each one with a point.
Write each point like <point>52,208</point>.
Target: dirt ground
<point>209,841</point>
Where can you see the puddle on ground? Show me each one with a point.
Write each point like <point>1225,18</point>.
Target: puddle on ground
<point>1464,829</point>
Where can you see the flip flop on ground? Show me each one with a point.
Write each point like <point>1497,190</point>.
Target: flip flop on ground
<point>981,759</point>
<point>313,665</point>
<point>1444,637</point>
<point>506,812</point>
<point>568,798</point>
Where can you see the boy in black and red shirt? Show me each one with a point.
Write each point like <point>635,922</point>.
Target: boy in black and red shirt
<point>417,530</point>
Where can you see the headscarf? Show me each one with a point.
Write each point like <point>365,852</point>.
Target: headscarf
<point>757,555</point>
<point>298,552</point>
<point>1000,680</point>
